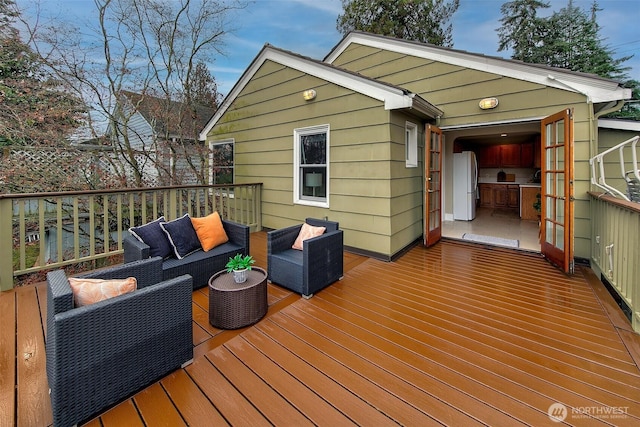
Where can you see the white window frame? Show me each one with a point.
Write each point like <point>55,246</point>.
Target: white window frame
<point>322,202</point>
<point>231,141</point>
<point>411,145</point>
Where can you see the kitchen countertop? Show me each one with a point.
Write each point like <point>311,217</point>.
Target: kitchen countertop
<point>521,184</point>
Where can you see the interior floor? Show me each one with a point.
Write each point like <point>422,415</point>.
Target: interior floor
<point>498,223</point>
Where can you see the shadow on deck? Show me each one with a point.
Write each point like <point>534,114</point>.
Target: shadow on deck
<point>458,334</point>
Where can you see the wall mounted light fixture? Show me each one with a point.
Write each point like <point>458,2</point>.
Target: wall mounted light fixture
<point>488,103</point>
<point>309,94</point>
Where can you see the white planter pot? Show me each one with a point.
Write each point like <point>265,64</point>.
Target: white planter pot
<point>240,276</point>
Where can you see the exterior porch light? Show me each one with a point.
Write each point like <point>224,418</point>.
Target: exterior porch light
<point>309,94</point>
<point>488,103</point>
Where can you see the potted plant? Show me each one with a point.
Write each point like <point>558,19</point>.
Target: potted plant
<point>537,205</point>
<point>239,265</point>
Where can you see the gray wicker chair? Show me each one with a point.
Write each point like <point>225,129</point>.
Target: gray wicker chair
<point>318,265</point>
<point>99,354</point>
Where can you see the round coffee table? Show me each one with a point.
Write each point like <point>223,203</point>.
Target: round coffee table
<point>235,305</point>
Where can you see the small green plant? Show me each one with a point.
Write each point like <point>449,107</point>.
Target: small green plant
<point>538,203</point>
<point>239,262</point>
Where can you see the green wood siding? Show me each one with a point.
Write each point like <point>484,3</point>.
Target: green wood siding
<point>376,199</point>
<point>457,90</point>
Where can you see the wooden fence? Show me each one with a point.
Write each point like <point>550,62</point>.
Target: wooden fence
<point>50,230</point>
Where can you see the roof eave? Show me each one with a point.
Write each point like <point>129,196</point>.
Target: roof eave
<point>596,89</point>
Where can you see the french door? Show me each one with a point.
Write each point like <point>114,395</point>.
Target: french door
<point>556,225</point>
<point>433,186</point>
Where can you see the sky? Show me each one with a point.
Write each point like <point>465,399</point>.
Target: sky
<point>308,27</point>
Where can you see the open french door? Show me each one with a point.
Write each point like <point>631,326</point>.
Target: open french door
<point>433,186</point>
<point>556,225</point>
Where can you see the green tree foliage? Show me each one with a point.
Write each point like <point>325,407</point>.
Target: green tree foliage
<point>36,109</point>
<point>569,38</point>
<point>427,21</point>
<point>522,29</point>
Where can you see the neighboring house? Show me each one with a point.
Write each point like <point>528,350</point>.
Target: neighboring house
<point>344,138</point>
<point>164,136</point>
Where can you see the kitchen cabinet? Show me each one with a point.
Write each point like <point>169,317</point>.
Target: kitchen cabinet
<point>513,196</point>
<point>510,156</point>
<point>489,156</point>
<point>499,195</point>
<point>486,195</point>
<point>506,155</point>
<point>528,198</point>
<point>526,155</point>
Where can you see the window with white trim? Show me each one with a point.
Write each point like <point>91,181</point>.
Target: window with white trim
<point>411,144</point>
<point>311,166</point>
<point>221,161</point>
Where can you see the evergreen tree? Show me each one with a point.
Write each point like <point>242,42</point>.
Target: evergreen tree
<point>427,21</point>
<point>522,29</point>
<point>569,38</point>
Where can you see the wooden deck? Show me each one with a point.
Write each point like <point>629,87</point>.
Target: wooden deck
<point>458,334</point>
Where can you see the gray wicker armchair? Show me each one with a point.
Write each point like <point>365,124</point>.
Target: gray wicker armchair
<point>318,265</point>
<point>99,354</point>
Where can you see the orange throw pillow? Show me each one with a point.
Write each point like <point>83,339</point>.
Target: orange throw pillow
<point>88,291</point>
<point>210,231</point>
<point>306,232</point>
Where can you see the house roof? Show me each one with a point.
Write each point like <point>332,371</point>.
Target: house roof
<point>394,97</point>
<point>181,119</point>
<point>597,89</point>
<point>617,124</point>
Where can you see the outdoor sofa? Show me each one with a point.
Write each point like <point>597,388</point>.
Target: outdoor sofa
<point>101,353</point>
<point>200,265</point>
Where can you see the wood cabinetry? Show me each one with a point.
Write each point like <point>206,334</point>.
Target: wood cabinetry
<point>506,156</point>
<point>486,195</point>
<point>513,196</point>
<point>488,156</point>
<point>499,195</point>
<point>510,156</point>
<point>529,197</point>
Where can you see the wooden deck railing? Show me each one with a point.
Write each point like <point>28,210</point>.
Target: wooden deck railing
<point>615,252</point>
<point>50,230</point>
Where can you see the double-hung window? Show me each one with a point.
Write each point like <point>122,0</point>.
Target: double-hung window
<point>311,165</point>
<point>221,161</point>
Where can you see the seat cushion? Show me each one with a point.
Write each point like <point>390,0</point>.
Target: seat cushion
<point>210,231</point>
<point>182,236</point>
<point>153,236</point>
<point>89,291</point>
<point>306,232</point>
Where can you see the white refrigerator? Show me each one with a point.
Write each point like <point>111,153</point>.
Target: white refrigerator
<point>465,185</point>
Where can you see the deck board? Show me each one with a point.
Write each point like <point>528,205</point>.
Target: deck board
<point>457,334</point>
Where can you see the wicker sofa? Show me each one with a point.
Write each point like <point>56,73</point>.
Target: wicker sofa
<point>318,265</point>
<point>200,265</point>
<point>99,354</point>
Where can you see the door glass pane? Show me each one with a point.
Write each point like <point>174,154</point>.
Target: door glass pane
<point>559,237</point>
<point>548,178</point>
<point>560,132</point>
<point>559,185</point>
<point>549,133</point>
<point>560,211</point>
<point>549,207</point>
<point>434,182</point>
<point>559,154</point>
<point>548,233</point>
